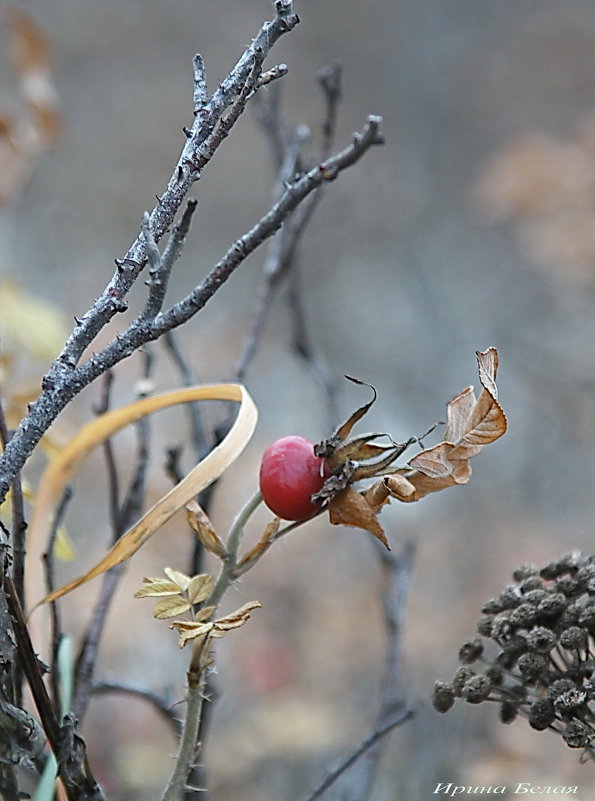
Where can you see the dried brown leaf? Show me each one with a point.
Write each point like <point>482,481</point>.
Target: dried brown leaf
<point>487,363</point>
<point>204,613</point>
<point>156,588</point>
<point>263,544</point>
<point>350,508</point>
<point>458,411</point>
<point>424,485</point>
<point>170,607</point>
<point>345,429</point>
<point>204,530</point>
<point>359,448</point>
<point>178,578</point>
<point>189,630</point>
<point>399,487</point>
<point>377,495</point>
<point>433,462</point>
<point>235,619</point>
<point>471,425</point>
<point>200,587</point>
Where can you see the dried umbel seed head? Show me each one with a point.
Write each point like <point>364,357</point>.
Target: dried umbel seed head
<point>536,642</point>
<point>531,584</point>
<point>492,607</point>
<point>443,696</point>
<point>542,714</point>
<point>460,678</point>
<point>484,627</point>
<point>470,651</point>
<point>559,687</point>
<point>568,585</point>
<point>541,640</point>
<point>569,701</point>
<point>508,711</point>
<point>574,638</point>
<point>552,606</point>
<point>477,689</point>
<point>524,615</point>
<point>534,596</point>
<point>501,626</point>
<point>524,572</point>
<point>577,734</point>
<point>510,596</point>
<point>532,666</point>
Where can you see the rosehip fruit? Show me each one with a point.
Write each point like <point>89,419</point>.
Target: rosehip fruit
<point>290,474</point>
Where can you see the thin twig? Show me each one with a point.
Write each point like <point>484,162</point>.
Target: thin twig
<point>331,81</point>
<point>200,439</point>
<point>392,711</point>
<point>63,381</point>
<point>372,739</point>
<point>160,266</point>
<point>188,745</point>
<point>17,546</point>
<point>162,705</point>
<point>122,518</point>
<point>140,331</point>
<point>226,575</point>
<point>397,569</point>
<point>287,149</point>
<point>56,632</point>
<point>66,744</point>
<point>113,479</point>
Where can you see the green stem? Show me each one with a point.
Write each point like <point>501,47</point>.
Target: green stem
<point>187,753</point>
<point>233,543</point>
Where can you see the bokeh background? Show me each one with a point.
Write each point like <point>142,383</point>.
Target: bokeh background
<point>471,227</point>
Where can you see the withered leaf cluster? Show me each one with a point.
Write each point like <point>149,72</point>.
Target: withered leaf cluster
<point>179,594</point>
<point>472,423</point>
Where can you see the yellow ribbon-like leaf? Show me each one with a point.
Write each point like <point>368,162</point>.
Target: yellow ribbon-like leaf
<point>61,469</point>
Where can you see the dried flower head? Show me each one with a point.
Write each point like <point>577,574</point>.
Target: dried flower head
<point>535,654</point>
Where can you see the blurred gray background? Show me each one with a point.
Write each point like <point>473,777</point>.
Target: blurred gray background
<point>450,238</point>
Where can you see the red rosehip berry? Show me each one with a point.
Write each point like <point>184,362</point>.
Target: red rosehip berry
<point>290,474</point>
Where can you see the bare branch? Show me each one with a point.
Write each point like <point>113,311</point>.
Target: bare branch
<point>371,740</point>
<point>276,72</point>
<point>208,128</point>
<point>67,384</point>
<point>201,94</point>
<point>287,148</point>
<point>162,705</point>
<point>68,748</point>
<point>56,633</point>
<point>201,440</point>
<point>121,519</point>
<point>330,79</point>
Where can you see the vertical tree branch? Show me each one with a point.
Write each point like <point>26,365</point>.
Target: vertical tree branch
<point>56,632</point>
<point>122,517</point>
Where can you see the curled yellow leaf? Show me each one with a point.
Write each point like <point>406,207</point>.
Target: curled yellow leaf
<point>61,470</point>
